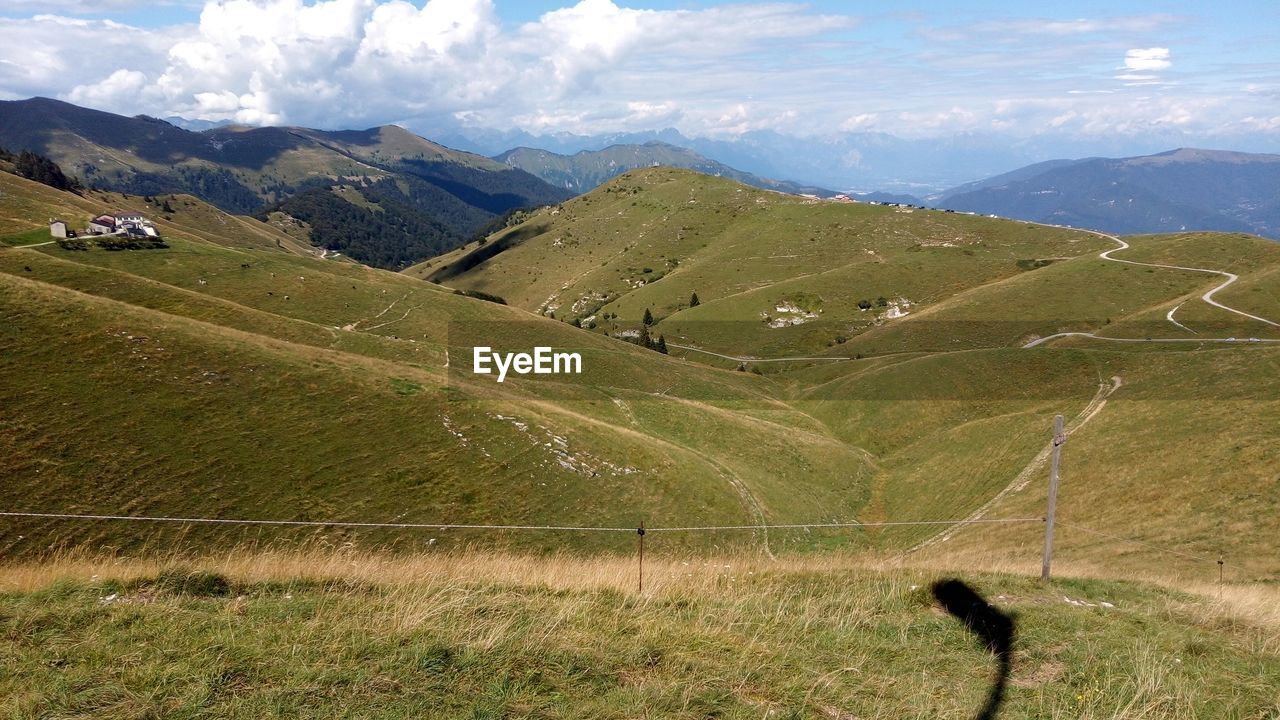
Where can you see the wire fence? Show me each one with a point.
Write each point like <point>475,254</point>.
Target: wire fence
<point>465,526</point>
<point>640,529</point>
<point>1147,545</point>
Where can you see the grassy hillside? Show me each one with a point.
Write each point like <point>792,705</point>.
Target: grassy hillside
<point>775,274</point>
<point>233,378</point>
<point>780,276</point>
<point>445,636</point>
<point>271,363</point>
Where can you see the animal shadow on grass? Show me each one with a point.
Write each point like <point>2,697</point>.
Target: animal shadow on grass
<point>995,629</point>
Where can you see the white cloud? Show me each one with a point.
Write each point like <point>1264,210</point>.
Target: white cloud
<point>121,83</point>
<point>596,66</point>
<point>86,7</point>
<point>352,62</point>
<point>58,62</point>
<point>860,122</point>
<point>1147,59</point>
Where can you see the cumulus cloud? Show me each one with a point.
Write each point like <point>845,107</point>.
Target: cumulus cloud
<point>59,62</point>
<point>596,66</point>
<point>348,62</point>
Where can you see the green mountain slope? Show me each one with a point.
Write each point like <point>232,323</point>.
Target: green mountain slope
<point>949,371</point>
<point>226,352</point>
<point>243,169</point>
<point>775,274</point>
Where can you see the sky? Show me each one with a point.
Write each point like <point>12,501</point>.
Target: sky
<point>709,69</point>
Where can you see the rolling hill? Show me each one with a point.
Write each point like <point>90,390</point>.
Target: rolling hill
<point>588,169</point>
<point>235,375</point>
<point>408,196</point>
<point>780,281</point>
<point>1179,190</point>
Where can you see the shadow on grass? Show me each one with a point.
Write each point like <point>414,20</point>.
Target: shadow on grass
<point>995,629</point>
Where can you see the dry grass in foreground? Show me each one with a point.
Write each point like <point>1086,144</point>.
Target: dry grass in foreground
<point>325,633</point>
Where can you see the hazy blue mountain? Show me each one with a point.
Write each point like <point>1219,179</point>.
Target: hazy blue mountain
<point>196,125</point>
<point>844,161</point>
<point>1184,189</point>
<point>587,169</point>
<point>884,197</point>
<point>1022,173</point>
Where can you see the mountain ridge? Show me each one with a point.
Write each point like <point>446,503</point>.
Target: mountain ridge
<point>1182,189</point>
<point>588,169</point>
<point>249,169</point>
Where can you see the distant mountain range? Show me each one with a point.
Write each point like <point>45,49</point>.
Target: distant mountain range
<point>588,169</point>
<point>847,161</point>
<point>383,196</point>
<point>387,197</point>
<point>1184,189</point>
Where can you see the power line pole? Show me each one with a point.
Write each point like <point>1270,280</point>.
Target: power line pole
<point>1059,437</point>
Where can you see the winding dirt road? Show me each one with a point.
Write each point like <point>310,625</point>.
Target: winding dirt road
<point>1207,297</point>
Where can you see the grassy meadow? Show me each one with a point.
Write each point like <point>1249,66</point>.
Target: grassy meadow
<point>328,632</point>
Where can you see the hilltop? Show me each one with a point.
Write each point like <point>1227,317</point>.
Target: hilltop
<point>382,195</point>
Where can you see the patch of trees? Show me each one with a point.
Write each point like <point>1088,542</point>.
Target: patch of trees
<point>219,187</point>
<point>124,242</point>
<point>1034,264</point>
<point>495,192</point>
<point>131,243</point>
<point>393,238</point>
<point>215,186</point>
<point>645,340</point>
<point>409,194</point>
<point>481,295</point>
<point>42,170</point>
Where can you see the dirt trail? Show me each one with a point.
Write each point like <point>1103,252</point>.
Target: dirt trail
<point>385,310</point>
<point>1024,477</point>
<point>1207,297</point>
<point>754,359</point>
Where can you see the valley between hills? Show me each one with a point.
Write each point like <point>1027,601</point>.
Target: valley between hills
<point>235,374</point>
<point>848,371</point>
